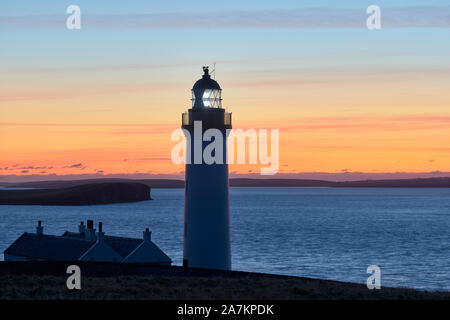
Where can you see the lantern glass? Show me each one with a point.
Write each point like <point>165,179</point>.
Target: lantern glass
<point>211,98</point>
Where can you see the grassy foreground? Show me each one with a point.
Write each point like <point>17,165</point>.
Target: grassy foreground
<point>13,286</point>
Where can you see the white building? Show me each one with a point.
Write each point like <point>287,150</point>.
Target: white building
<point>85,245</point>
<point>206,206</point>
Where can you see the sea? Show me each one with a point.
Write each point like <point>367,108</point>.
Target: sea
<point>324,233</point>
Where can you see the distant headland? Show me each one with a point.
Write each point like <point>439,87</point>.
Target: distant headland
<point>106,191</point>
<point>443,182</point>
<point>77,195</point>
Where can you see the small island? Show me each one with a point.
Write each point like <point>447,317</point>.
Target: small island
<point>86,194</point>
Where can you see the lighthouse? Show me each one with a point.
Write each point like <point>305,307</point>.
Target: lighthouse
<point>206,193</point>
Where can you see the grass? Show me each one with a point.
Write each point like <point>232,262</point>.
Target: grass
<point>25,287</point>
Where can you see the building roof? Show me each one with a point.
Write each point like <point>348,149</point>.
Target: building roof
<point>148,251</point>
<point>73,245</point>
<point>48,247</point>
<point>122,245</point>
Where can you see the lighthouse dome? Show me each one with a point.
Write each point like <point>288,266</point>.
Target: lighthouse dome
<point>206,92</point>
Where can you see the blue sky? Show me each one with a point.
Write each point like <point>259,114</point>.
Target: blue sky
<point>51,39</point>
<point>21,7</point>
<point>250,34</point>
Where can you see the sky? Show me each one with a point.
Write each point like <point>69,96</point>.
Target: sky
<point>103,100</point>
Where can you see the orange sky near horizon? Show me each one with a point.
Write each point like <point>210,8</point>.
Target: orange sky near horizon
<point>324,127</point>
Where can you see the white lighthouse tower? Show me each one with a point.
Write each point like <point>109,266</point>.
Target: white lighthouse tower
<point>206,204</point>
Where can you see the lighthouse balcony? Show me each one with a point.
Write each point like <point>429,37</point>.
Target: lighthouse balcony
<point>209,119</point>
<point>185,119</point>
<point>227,119</point>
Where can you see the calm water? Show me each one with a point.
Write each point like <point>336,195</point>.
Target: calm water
<point>314,232</point>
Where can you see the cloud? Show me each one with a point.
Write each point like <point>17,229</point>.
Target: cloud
<point>27,168</point>
<point>76,165</point>
<point>109,67</point>
<point>306,18</point>
<point>76,91</point>
<point>365,123</point>
<point>33,168</point>
<point>152,159</point>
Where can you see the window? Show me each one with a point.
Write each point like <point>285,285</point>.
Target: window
<point>211,98</point>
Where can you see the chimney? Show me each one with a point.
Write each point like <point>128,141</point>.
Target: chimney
<point>81,228</point>
<point>90,231</point>
<point>100,233</point>
<point>147,235</point>
<point>39,228</point>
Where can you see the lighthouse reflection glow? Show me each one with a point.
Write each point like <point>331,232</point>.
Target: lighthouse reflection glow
<point>206,98</point>
<point>211,98</point>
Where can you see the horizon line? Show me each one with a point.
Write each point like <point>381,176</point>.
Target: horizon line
<point>326,176</point>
